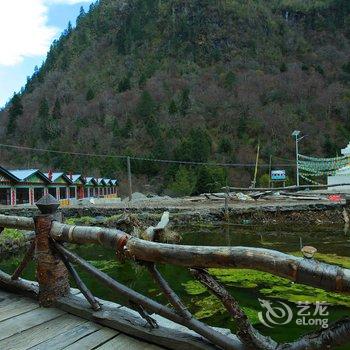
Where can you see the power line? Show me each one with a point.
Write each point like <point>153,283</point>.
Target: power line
<point>168,161</point>
<point>59,152</point>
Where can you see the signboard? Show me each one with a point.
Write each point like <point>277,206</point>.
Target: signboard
<point>278,175</point>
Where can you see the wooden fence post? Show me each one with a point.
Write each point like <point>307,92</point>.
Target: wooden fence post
<point>52,274</point>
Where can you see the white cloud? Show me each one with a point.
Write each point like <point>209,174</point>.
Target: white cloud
<point>24,31</point>
<point>68,2</point>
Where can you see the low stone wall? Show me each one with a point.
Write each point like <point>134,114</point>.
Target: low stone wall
<point>258,214</point>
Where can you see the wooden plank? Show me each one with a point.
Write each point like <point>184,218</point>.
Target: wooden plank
<point>123,320</point>
<point>101,301</point>
<point>129,322</point>
<point>93,340</point>
<point>28,320</point>
<point>16,308</point>
<point>5,296</point>
<point>40,333</point>
<point>6,300</point>
<point>62,340</point>
<point>124,342</point>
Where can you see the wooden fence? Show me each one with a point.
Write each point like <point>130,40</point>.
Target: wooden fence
<point>55,262</point>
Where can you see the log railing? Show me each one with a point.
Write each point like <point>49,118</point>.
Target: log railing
<point>55,262</point>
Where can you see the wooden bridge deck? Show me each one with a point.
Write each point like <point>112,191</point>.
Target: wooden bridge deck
<point>25,325</point>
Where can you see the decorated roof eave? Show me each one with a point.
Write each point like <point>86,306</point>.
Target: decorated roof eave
<point>28,173</point>
<point>9,175</point>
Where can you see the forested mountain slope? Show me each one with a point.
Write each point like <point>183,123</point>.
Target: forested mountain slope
<point>199,80</point>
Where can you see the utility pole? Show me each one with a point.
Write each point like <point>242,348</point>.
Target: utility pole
<point>296,134</point>
<point>270,168</point>
<point>297,158</point>
<point>256,166</point>
<point>129,177</point>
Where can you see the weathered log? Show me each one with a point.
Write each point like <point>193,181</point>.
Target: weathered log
<point>18,222</point>
<point>300,270</point>
<point>335,335</point>
<point>27,288</point>
<point>309,272</point>
<point>51,272</point>
<point>26,259</point>
<point>167,291</point>
<point>152,306</point>
<point>80,284</point>
<point>249,336</point>
<point>110,238</point>
<point>287,188</point>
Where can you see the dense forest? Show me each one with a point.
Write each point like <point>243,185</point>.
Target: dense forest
<point>194,80</point>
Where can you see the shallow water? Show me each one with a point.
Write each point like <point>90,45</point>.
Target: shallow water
<point>331,241</point>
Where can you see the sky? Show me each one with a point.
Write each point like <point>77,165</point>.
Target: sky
<point>27,29</point>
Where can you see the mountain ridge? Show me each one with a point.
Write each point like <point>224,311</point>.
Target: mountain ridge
<point>190,80</point>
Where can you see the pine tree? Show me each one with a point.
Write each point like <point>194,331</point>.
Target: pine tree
<point>184,182</point>
<point>185,101</point>
<point>142,80</point>
<point>90,95</point>
<point>56,112</point>
<point>15,111</point>
<point>242,126</point>
<point>124,84</point>
<point>146,106</point>
<point>225,146</point>
<point>172,108</point>
<point>82,14</point>
<point>69,30</point>
<point>230,80</point>
<point>128,128</point>
<point>43,118</point>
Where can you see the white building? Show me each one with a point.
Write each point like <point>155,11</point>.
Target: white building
<point>342,175</point>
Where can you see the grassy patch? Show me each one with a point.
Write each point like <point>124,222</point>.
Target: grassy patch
<point>84,220</point>
<point>12,235</point>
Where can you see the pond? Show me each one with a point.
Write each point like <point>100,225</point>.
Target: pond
<point>248,287</point>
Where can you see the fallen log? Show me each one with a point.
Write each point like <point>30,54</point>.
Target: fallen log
<point>287,188</point>
<point>300,270</point>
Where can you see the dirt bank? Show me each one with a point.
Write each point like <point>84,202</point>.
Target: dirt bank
<point>269,212</point>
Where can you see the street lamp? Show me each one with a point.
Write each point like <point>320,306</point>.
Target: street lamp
<point>296,134</point>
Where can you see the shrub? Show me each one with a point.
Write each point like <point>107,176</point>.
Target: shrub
<point>184,182</point>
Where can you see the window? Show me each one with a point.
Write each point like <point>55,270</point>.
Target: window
<point>52,191</point>
<point>5,196</point>
<point>38,193</point>
<point>63,193</point>
<point>22,195</point>
<point>72,192</point>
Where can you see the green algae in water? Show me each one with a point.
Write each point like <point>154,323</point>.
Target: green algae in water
<point>194,288</point>
<point>210,306</point>
<point>299,293</point>
<point>269,286</point>
<point>245,278</point>
<point>277,287</point>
